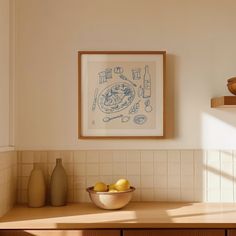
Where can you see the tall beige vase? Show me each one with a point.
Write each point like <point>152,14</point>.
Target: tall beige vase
<point>58,185</point>
<point>36,187</point>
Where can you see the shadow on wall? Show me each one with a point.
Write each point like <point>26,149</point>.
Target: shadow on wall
<point>169,96</point>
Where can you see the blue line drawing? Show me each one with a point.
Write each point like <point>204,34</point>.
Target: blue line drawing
<point>107,118</point>
<point>118,70</point>
<point>146,83</point>
<point>125,78</point>
<point>140,91</point>
<point>140,119</point>
<point>116,97</point>
<point>134,109</point>
<point>125,119</point>
<point>136,74</point>
<point>95,99</point>
<point>148,107</point>
<point>105,75</point>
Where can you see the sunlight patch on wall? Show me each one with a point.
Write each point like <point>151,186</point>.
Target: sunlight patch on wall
<point>217,134</point>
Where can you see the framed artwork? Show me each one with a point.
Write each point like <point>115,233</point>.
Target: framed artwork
<point>121,94</point>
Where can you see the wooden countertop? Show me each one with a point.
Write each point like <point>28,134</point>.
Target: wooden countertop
<point>135,215</point>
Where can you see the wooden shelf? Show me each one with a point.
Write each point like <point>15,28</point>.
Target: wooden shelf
<point>224,102</point>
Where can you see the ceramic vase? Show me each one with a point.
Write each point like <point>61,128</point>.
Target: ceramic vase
<point>36,187</point>
<point>58,185</point>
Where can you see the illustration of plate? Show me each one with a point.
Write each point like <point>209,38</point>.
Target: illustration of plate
<point>116,97</point>
<point>140,119</point>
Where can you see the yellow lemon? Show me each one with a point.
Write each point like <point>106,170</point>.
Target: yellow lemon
<point>122,185</point>
<point>111,187</point>
<point>100,187</point>
<point>113,190</point>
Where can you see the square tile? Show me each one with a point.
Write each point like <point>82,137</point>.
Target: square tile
<point>133,156</point>
<point>174,181</point>
<point>69,168</point>
<point>92,157</point>
<point>226,156</point>
<point>187,181</point>
<point>105,169</point>
<point>79,182</point>
<point>213,156</point>
<point>161,156</point>
<point>105,156</point>
<point>147,168</point>
<point>146,156</point>
<point>147,181</point>
<point>160,194</point>
<point>213,195</point>
<point>40,157</point>
<point>80,195</point>
<point>187,168</point>
<point>160,168</point>
<point>27,157</point>
<point>92,169</point>
<point>174,168</point>
<point>186,156</point>
<point>147,194</point>
<point>107,179</point>
<point>187,194</point>
<point>26,169</point>
<point>79,156</point>
<point>227,195</point>
<point>173,156</point>
<point>119,168</point>
<point>79,169</point>
<point>119,156</point>
<point>133,168</point>
<point>173,195</point>
<point>161,181</point>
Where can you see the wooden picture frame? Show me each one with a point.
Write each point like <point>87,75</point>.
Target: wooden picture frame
<point>121,94</point>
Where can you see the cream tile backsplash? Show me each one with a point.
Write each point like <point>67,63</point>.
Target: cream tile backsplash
<point>8,180</point>
<point>163,175</point>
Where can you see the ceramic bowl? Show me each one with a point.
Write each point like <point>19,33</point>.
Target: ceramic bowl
<point>232,85</point>
<point>110,200</point>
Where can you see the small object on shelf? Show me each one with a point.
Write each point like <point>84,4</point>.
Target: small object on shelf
<point>58,185</point>
<point>224,102</point>
<point>232,85</point>
<point>36,187</point>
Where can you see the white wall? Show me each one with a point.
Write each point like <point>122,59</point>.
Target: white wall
<point>199,37</point>
<point>4,72</point>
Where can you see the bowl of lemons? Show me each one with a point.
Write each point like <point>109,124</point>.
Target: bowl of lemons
<point>112,196</point>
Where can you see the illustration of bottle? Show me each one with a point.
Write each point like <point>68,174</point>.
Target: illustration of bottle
<point>36,187</point>
<point>146,83</point>
<point>58,185</point>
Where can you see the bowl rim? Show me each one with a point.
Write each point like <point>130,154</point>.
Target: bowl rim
<point>90,190</point>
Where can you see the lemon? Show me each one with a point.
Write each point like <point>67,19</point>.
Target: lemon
<point>112,187</point>
<point>122,185</point>
<point>100,187</point>
<point>113,191</point>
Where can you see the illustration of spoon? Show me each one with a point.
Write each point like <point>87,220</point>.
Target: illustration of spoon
<point>95,99</point>
<point>125,78</point>
<point>107,118</point>
<point>125,119</point>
